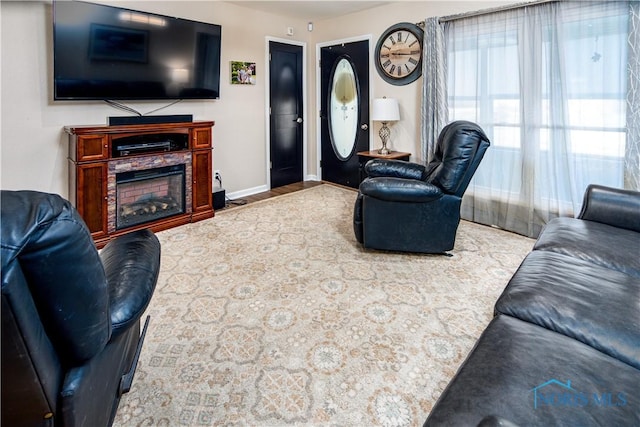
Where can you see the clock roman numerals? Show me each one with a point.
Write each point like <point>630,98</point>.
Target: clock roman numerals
<point>398,53</point>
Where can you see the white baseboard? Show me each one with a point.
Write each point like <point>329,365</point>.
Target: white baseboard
<point>260,189</point>
<point>247,192</point>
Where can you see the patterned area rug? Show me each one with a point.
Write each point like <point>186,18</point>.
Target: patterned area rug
<point>271,314</point>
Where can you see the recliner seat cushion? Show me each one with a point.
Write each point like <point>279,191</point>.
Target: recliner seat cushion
<point>394,168</point>
<point>516,362</point>
<point>593,304</point>
<point>400,190</point>
<point>597,243</point>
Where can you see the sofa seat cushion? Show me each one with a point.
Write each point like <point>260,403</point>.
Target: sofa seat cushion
<point>598,243</point>
<point>569,296</point>
<point>528,375</point>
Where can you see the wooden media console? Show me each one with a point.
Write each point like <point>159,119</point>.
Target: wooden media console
<point>104,159</point>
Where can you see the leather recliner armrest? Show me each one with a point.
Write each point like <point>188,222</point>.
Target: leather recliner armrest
<point>612,206</point>
<point>131,263</point>
<point>400,190</point>
<point>394,168</point>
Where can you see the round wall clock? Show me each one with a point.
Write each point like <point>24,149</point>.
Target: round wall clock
<point>398,54</point>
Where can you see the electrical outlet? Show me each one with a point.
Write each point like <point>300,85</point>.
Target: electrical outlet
<point>217,178</point>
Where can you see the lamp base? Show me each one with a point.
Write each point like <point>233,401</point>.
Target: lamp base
<point>384,136</point>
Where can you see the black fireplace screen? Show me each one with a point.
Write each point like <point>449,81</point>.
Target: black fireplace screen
<point>149,195</point>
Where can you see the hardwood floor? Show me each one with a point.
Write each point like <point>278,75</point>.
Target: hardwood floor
<point>272,193</point>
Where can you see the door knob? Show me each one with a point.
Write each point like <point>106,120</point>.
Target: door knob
<point>364,126</point>
<point>299,120</point>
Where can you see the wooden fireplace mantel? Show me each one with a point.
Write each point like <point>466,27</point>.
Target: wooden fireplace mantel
<point>90,156</point>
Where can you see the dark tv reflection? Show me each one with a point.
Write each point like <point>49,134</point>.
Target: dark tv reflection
<point>118,44</point>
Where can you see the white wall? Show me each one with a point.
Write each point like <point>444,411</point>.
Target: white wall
<point>33,146</point>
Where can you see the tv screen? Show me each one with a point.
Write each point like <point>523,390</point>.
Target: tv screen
<point>110,53</point>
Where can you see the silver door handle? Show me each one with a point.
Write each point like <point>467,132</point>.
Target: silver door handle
<point>364,126</point>
<point>299,120</point>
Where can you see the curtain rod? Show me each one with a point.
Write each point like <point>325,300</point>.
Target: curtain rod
<point>492,10</point>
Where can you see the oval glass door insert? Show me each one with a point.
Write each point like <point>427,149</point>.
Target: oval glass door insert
<point>343,109</point>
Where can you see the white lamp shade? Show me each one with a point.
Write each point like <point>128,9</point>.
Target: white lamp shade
<point>385,110</point>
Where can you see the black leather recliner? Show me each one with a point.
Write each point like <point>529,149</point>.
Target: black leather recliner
<point>70,315</point>
<point>403,206</point>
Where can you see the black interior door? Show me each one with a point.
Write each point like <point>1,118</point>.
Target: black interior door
<point>285,102</point>
<point>340,165</point>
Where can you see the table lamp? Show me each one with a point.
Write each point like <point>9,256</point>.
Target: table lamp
<point>385,110</point>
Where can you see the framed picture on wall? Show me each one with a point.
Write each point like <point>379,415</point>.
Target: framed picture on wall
<point>243,73</point>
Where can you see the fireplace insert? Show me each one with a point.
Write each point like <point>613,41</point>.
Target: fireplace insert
<point>148,195</point>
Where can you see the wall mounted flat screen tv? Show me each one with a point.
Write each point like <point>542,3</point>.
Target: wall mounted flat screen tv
<point>110,53</point>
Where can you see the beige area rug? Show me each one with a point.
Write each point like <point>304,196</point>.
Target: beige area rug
<point>271,314</point>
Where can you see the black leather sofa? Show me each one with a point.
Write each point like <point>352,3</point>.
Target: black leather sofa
<point>564,345</point>
<point>70,315</point>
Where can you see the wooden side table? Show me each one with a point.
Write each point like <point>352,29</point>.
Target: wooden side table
<point>365,156</point>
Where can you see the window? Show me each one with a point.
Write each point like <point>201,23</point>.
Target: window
<point>548,83</point>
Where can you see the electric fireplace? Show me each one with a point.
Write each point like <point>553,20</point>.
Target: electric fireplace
<point>149,195</point>
<point>149,188</point>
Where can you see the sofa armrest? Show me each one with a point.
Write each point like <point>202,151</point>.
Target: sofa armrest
<point>400,190</point>
<point>612,206</point>
<point>131,263</point>
<point>394,168</point>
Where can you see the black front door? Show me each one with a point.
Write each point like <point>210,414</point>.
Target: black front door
<point>285,102</point>
<point>344,84</point>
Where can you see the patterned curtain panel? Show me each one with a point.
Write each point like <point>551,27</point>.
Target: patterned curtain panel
<point>434,93</point>
<point>632,156</point>
<point>550,84</point>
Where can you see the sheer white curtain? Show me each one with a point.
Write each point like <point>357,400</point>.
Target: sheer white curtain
<point>548,83</point>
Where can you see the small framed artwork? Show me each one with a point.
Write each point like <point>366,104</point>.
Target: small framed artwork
<point>243,73</point>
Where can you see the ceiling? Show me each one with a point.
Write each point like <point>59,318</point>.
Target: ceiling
<point>310,10</point>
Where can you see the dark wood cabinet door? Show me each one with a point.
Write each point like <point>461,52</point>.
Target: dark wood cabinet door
<point>91,197</point>
<point>202,186</point>
<point>92,148</point>
<point>201,138</point>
